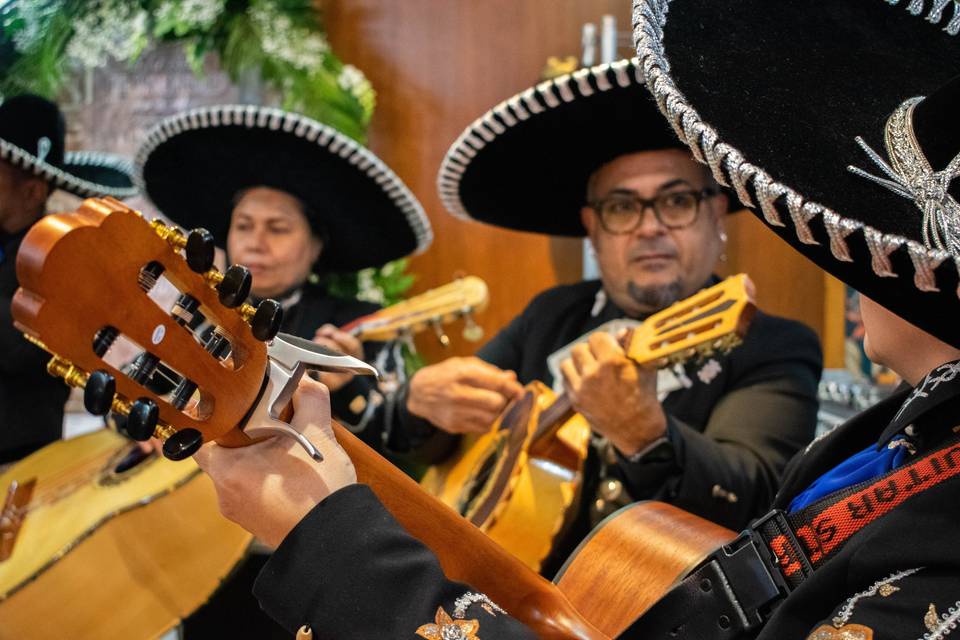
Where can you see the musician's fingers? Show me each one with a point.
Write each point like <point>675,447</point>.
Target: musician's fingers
<point>332,337</point>
<point>468,420</point>
<point>491,402</point>
<point>204,456</point>
<point>311,407</point>
<point>582,358</point>
<point>604,346</point>
<point>571,378</point>
<point>477,373</point>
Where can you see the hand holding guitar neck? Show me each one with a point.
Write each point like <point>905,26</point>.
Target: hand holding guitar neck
<point>617,397</point>
<point>269,504</point>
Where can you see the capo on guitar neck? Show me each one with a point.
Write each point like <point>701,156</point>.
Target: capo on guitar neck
<point>289,357</point>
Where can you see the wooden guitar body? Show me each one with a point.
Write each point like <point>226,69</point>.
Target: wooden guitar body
<point>520,495</point>
<point>632,559</point>
<point>108,554</point>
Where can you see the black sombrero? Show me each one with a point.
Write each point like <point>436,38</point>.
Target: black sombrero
<point>525,163</point>
<point>193,164</point>
<point>32,132</point>
<point>774,94</point>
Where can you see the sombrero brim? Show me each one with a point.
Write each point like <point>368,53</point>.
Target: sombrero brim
<point>192,166</point>
<point>525,164</point>
<point>772,94</point>
<point>112,172</point>
<point>85,174</point>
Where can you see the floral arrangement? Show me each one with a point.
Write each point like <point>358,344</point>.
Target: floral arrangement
<point>42,41</point>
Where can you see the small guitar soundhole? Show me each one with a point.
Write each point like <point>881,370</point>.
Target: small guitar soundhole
<point>125,463</point>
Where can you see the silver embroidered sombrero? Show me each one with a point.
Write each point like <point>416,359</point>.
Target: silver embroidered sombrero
<point>836,121</point>
<point>32,132</point>
<point>525,163</point>
<point>193,164</point>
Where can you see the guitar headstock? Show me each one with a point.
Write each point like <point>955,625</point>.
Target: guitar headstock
<point>434,308</point>
<point>110,295</point>
<point>715,319</point>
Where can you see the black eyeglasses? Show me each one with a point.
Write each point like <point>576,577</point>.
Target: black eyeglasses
<point>623,213</point>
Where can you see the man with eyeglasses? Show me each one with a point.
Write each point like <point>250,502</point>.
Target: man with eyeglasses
<point>711,437</point>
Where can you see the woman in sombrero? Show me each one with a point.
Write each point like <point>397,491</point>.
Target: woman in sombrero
<point>836,123</point>
<point>291,199</point>
<point>33,166</point>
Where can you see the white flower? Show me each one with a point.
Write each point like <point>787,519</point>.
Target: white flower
<point>36,17</point>
<point>281,39</point>
<point>367,289</point>
<point>110,29</point>
<point>352,79</point>
<point>193,14</point>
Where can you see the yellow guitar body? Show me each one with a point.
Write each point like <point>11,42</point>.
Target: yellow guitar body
<point>101,554</point>
<point>540,485</point>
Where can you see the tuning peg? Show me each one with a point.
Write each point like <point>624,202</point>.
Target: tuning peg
<point>235,286</point>
<point>142,419</point>
<point>104,340</point>
<point>440,333</point>
<point>266,321</point>
<point>182,444</point>
<point>471,330</point>
<point>98,392</point>
<point>200,250</point>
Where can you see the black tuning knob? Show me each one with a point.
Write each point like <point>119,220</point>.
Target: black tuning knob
<point>235,286</point>
<point>142,419</point>
<point>200,250</point>
<point>98,393</point>
<point>267,319</point>
<point>182,444</point>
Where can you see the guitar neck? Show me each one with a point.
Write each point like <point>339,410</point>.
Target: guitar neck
<point>467,554</point>
<point>552,418</point>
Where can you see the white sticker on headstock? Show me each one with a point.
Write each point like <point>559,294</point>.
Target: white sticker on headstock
<point>158,334</point>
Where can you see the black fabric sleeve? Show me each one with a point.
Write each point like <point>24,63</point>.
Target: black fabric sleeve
<point>18,354</point>
<point>912,603</point>
<point>349,570</point>
<point>730,472</point>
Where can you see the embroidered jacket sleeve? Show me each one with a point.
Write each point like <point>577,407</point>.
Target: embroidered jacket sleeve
<point>922,603</point>
<point>728,471</point>
<point>349,570</point>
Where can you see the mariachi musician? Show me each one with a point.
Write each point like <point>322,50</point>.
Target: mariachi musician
<point>592,156</point>
<point>33,163</point>
<point>849,149</point>
<point>290,205</point>
<point>291,200</point>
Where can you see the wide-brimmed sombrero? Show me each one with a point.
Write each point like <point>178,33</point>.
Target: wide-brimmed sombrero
<point>32,132</point>
<point>525,163</point>
<point>193,164</point>
<point>783,97</point>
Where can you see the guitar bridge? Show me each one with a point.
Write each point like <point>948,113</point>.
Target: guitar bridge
<point>11,517</point>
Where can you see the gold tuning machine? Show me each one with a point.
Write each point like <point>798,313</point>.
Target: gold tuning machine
<point>74,376</point>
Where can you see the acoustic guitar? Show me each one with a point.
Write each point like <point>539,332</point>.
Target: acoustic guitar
<point>519,482</point>
<point>99,540</point>
<point>431,309</point>
<point>66,265</point>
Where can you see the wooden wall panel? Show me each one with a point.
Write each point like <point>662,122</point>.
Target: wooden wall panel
<point>437,65</point>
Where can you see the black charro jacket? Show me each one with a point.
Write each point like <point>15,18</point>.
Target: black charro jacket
<point>742,417</point>
<point>348,570</point>
<point>31,400</point>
